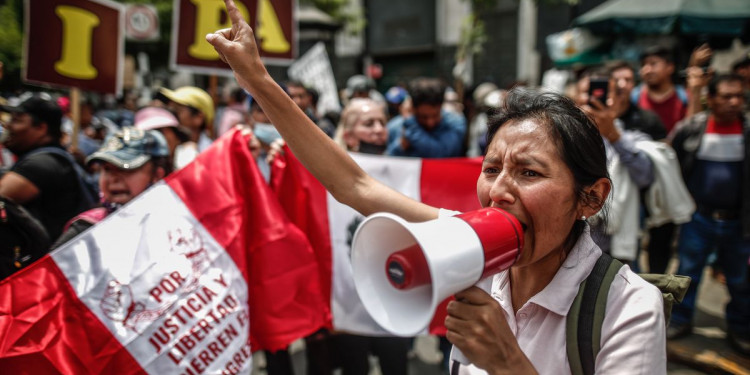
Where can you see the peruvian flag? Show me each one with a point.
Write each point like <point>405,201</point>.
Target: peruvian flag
<point>190,277</point>
<point>330,225</point>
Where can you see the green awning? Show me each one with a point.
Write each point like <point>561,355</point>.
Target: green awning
<point>710,17</point>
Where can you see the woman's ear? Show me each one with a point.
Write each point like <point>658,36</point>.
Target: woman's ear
<point>596,195</point>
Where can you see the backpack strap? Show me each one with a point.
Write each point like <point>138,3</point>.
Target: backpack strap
<point>584,321</point>
<point>88,195</point>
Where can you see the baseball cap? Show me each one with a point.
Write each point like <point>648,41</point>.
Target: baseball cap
<point>151,118</point>
<point>39,105</point>
<point>358,83</point>
<point>192,97</point>
<point>130,148</point>
<point>396,95</point>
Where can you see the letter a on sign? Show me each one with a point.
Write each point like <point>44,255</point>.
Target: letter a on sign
<point>74,43</point>
<point>273,22</point>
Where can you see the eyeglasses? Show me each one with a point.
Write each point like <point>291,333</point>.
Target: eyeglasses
<point>739,96</point>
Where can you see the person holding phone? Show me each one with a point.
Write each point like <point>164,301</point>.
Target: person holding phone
<point>622,156</point>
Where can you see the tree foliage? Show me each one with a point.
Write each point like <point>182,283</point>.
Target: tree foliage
<point>11,42</point>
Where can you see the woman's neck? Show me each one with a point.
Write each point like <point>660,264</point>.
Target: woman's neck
<point>527,281</point>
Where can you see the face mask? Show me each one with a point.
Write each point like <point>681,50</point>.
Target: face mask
<point>266,133</point>
<point>371,148</point>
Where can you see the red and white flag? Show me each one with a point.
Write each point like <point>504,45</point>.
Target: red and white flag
<point>190,277</point>
<point>330,225</point>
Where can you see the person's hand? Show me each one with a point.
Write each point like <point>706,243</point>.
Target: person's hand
<point>604,117</point>
<point>237,47</point>
<point>697,78</point>
<point>477,326</point>
<point>700,56</point>
<point>253,144</point>
<point>275,149</point>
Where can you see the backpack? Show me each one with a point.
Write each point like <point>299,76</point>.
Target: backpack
<point>89,187</point>
<point>586,315</point>
<point>24,239</point>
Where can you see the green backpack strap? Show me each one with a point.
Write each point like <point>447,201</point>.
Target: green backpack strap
<point>584,321</point>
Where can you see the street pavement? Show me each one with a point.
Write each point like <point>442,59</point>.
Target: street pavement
<point>706,351</point>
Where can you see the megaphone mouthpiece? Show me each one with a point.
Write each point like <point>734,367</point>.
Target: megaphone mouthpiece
<point>408,268</point>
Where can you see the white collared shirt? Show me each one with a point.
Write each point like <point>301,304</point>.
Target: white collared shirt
<point>633,338</point>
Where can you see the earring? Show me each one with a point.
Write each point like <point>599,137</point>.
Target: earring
<point>583,217</point>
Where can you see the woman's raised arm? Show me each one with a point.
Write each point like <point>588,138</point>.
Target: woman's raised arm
<point>340,175</point>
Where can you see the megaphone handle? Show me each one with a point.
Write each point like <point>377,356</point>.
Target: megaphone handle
<point>457,356</point>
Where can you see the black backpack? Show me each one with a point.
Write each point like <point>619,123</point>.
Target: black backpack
<point>24,239</point>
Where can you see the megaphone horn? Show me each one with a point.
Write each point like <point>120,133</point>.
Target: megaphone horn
<point>425,263</point>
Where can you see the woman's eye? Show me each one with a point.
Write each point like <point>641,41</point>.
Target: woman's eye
<point>490,170</point>
<point>529,173</point>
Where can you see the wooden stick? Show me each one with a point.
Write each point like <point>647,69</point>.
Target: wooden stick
<point>75,115</point>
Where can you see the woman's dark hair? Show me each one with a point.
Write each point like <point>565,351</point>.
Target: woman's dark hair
<point>575,134</point>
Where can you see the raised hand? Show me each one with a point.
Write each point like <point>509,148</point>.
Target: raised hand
<point>237,47</point>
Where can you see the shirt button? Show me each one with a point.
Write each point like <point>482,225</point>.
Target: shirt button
<point>522,315</point>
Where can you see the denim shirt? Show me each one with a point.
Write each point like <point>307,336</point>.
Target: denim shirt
<point>445,140</point>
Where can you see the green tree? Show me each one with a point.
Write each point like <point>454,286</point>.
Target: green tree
<point>11,41</point>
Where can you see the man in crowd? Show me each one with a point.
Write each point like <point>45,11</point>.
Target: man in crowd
<point>429,132</point>
<point>713,151</point>
<point>44,179</point>
<point>632,116</point>
<point>659,94</point>
<point>302,96</point>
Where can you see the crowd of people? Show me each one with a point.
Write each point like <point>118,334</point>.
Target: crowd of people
<point>638,169</point>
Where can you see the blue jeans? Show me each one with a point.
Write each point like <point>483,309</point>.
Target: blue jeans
<point>698,239</point>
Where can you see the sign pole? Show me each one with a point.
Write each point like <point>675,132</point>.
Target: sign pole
<point>75,115</point>
<point>213,90</point>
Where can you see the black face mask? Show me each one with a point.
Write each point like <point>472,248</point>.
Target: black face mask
<point>370,148</point>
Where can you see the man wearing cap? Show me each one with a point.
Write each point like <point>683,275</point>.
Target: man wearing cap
<point>131,161</point>
<point>194,109</point>
<point>44,178</point>
<point>430,132</point>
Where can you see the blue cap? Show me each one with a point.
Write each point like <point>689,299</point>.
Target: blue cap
<point>130,148</point>
<point>396,95</point>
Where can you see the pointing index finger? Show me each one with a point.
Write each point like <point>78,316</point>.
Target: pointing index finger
<point>234,13</point>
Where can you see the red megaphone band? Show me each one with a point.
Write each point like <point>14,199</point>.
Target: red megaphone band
<point>499,232</point>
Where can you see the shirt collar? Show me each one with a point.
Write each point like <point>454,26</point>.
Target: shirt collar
<point>559,294</point>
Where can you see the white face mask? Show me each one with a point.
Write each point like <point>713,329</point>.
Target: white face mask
<point>265,132</point>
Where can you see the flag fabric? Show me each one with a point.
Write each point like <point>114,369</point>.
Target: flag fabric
<point>330,225</point>
<point>190,277</point>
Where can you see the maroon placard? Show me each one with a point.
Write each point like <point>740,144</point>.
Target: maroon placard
<point>74,43</point>
<point>193,19</point>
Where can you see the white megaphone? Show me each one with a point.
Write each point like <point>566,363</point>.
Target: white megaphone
<point>403,271</point>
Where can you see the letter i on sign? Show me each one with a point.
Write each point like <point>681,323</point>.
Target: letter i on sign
<point>78,31</point>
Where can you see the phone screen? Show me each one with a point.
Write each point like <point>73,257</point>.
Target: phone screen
<point>598,88</point>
